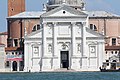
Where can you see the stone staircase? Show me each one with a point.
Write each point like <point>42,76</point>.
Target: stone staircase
<point>64,70</point>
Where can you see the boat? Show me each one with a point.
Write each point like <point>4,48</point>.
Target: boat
<point>110,67</point>
<point>109,70</point>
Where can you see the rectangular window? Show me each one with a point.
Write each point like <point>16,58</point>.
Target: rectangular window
<point>91,26</point>
<point>7,64</point>
<point>107,62</point>
<point>16,42</point>
<point>113,41</point>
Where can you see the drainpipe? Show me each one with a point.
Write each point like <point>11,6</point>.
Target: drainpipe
<point>8,30</point>
<point>20,33</point>
<point>21,41</point>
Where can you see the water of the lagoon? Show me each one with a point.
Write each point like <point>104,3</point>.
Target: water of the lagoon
<point>61,76</point>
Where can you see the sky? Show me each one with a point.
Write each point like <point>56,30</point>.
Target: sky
<point>36,5</point>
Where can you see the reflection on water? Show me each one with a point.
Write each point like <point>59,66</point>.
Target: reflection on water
<point>61,76</point>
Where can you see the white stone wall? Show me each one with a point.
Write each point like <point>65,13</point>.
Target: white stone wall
<point>2,58</point>
<point>77,61</point>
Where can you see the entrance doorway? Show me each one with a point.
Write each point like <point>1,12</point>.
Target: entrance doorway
<point>64,59</point>
<point>14,66</point>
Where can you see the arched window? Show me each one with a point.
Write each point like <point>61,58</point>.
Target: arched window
<point>36,27</point>
<point>93,27</point>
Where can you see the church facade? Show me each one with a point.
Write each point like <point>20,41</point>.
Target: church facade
<point>64,41</point>
<point>29,24</point>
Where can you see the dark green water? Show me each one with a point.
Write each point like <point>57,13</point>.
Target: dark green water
<point>61,76</point>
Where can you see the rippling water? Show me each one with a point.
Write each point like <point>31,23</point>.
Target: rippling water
<point>61,76</point>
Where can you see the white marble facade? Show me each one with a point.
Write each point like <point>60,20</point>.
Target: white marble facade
<point>64,41</point>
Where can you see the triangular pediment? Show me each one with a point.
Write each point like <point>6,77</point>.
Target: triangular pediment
<point>36,34</point>
<point>63,11</point>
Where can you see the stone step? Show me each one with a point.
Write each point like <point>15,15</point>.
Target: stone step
<point>64,70</point>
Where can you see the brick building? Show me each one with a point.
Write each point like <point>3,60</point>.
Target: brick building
<point>15,7</point>
<point>14,50</point>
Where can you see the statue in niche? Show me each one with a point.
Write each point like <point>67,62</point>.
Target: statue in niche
<point>50,25</point>
<point>49,30</point>
<point>79,25</point>
<point>50,48</point>
<point>79,47</point>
